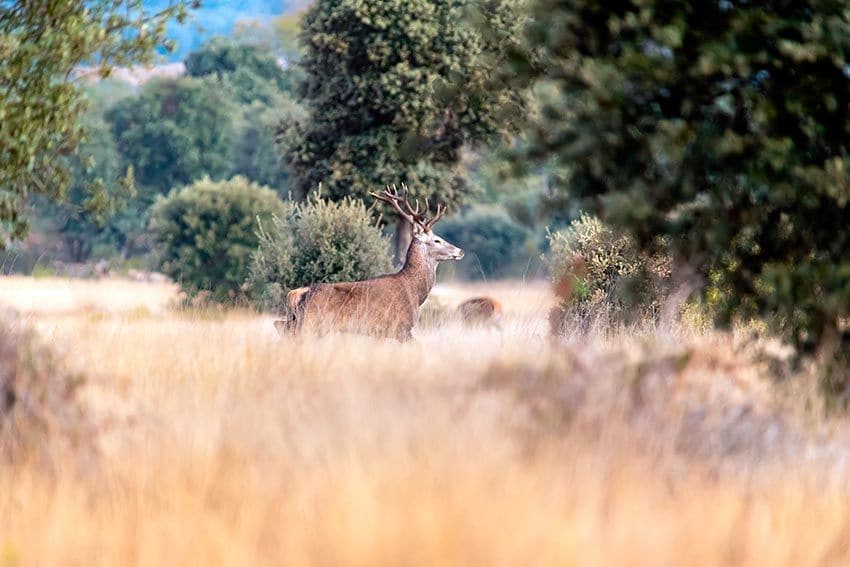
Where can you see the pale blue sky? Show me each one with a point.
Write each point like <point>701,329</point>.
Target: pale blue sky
<point>217,17</point>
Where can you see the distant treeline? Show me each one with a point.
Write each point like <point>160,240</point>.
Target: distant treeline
<point>226,117</point>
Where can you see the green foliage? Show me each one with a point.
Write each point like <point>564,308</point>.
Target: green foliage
<point>41,44</point>
<point>168,133</point>
<point>176,131</point>
<point>722,125</point>
<point>82,219</point>
<point>262,90</point>
<point>205,233</point>
<point>319,241</point>
<point>255,153</point>
<point>525,197</point>
<point>395,89</point>
<point>603,274</point>
<point>253,72</point>
<point>219,121</point>
<point>496,246</point>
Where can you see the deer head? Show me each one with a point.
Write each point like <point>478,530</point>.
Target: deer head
<point>437,248</point>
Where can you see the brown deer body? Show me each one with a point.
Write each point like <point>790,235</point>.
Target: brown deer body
<point>481,311</point>
<point>386,306</point>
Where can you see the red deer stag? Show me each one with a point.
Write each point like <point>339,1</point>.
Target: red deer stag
<point>386,306</point>
<point>481,311</point>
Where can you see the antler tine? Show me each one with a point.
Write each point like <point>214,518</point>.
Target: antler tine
<point>414,212</point>
<point>441,209</point>
<point>392,197</point>
<point>401,203</point>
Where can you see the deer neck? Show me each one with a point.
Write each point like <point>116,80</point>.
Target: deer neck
<point>419,271</point>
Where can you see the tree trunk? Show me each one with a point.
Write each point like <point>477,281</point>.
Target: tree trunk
<point>403,237</point>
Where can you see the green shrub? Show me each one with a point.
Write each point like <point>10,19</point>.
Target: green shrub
<point>718,126</point>
<point>317,241</point>
<point>496,246</point>
<point>204,234</point>
<point>602,274</point>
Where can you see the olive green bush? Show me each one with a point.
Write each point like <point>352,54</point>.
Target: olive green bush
<point>316,241</point>
<point>602,274</point>
<point>205,233</point>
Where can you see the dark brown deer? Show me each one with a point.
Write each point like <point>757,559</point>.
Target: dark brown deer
<point>481,311</point>
<point>386,306</point>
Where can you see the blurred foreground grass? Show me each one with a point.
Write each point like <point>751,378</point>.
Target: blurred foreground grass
<point>219,443</point>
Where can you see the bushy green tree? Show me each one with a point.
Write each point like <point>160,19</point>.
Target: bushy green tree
<point>81,219</point>
<point>91,220</point>
<point>204,234</point>
<point>496,246</point>
<point>262,89</point>
<point>219,121</point>
<point>253,72</point>
<point>255,152</point>
<point>41,45</point>
<point>721,125</point>
<point>319,241</point>
<point>395,89</point>
<point>175,131</point>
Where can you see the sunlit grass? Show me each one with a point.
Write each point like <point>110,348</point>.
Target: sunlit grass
<point>223,444</point>
<point>54,296</point>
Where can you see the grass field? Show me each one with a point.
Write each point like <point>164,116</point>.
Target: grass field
<point>219,443</point>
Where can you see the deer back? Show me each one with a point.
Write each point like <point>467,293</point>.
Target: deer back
<point>380,307</point>
<point>480,310</point>
<point>385,306</point>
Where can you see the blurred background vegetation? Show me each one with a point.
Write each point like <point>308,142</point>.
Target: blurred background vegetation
<point>251,97</point>
<point>710,139</point>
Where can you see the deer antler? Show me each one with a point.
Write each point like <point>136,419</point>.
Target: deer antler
<point>401,204</point>
<point>430,224</point>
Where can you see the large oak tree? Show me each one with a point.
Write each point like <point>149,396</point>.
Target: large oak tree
<point>395,90</point>
<point>719,129</point>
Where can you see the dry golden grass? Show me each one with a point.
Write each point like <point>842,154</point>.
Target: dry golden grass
<point>222,444</point>
<point>57,296</point>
